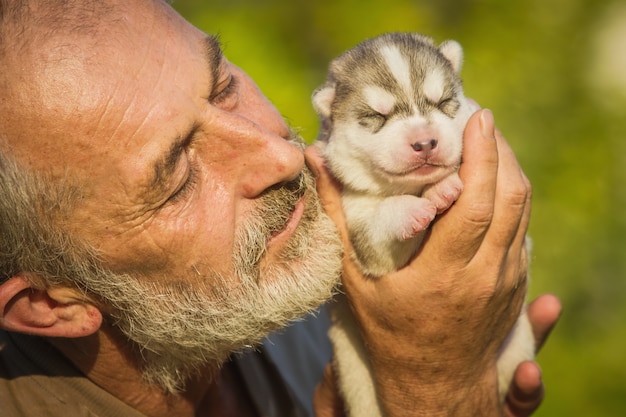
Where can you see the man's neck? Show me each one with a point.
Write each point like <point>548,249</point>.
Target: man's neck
<point>107,359</point>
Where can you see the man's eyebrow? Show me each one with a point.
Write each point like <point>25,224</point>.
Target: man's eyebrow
<point>215,57</point>
<point>165,165</point>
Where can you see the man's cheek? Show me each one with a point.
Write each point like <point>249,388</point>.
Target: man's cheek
<point>143,254</point>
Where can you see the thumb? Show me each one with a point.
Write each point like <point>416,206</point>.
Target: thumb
<point>473,211</point>
<point>329,190</point>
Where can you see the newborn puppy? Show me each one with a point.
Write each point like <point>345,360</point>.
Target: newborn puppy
<point>393,114</point>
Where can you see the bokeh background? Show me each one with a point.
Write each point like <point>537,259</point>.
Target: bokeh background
<point>554,74</point>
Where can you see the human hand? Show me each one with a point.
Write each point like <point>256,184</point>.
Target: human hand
<point>527,391</point>
<point>433,328</point>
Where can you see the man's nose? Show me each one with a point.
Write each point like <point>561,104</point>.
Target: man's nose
<point>276,161</point>
<point>255,156</point>
<point>259,137</point>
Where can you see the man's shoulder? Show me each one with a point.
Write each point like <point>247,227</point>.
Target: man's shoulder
<point>25,389</point>
<point>36,380</point>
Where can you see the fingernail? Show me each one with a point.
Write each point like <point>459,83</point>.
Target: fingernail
<point>487,123</point>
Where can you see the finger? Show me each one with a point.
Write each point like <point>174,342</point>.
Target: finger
<point>512,204</point>
<point>329,191</point>
<point>326,399</point>
<point>526,392</point>
<point>328,188</point>
<point>472,213</point>
<point>543,314</point>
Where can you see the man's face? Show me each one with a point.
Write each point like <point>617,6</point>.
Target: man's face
<point>178,155</point>
<point>172,144</point>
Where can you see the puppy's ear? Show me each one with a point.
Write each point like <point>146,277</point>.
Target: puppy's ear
<point>323,99</point>
<point>453,51</point>
<point>54,312</point>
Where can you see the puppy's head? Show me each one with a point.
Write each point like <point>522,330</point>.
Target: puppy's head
<point>394,107</point>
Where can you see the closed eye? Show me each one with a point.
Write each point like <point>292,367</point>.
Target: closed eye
<point>444,102</point>
<point>376,115</point>
<point>187,186</point>
<point>177,173</point>
<point>224,89</point>
<point>373,120</point>
<point>448,106</point>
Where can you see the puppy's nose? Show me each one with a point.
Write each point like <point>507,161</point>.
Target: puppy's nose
<point>425,146</point>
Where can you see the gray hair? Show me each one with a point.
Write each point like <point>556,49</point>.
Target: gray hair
<point>32,209</point>
<point>34,206</point>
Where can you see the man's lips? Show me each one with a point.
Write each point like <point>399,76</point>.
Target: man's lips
<point>280,237</point>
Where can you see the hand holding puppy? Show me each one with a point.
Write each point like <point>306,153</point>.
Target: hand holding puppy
<point>433,329</point>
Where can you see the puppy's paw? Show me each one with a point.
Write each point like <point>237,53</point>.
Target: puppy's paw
<point>444,193</point>
<point>416,216</point>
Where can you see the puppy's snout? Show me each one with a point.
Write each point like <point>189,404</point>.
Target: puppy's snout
<point>426,146</point>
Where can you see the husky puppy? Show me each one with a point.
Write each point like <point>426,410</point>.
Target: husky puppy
<point>392,119</point>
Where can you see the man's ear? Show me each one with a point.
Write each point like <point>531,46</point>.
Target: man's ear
<point>55,312</point>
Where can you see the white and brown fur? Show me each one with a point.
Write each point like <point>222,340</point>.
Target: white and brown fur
<point>393,115</point>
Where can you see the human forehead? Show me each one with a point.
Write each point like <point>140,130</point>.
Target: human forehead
<point>78,94</point>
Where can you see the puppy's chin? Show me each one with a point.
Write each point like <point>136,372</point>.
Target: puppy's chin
<point>413,181</point>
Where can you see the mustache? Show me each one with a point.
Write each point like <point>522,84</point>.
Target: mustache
<point>278,202</point>
<point>274,208</point>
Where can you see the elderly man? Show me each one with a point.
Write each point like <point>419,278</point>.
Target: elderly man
<point>157,216</point>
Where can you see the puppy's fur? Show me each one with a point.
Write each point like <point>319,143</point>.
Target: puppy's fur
<point>393,114</point>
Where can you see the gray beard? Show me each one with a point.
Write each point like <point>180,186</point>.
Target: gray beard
<point>181,327</point>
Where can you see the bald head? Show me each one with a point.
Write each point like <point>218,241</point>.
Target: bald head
<point>27,22</point>
<point>68,73</point>
<point>42,45</point>
<point>31,34</point>
<point>87,111</point>
<point>46,47</point>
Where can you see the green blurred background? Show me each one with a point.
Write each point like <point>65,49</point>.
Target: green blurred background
<point>554,74</point>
